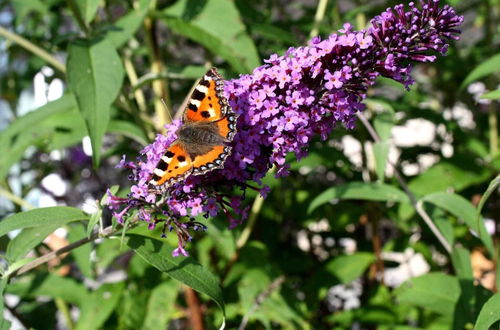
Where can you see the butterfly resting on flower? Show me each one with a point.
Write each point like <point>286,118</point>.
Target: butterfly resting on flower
<point>208,124</point>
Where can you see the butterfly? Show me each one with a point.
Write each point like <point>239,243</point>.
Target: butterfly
<point>208,124</point>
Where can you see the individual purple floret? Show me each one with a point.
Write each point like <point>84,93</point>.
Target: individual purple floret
<point>282,105</point>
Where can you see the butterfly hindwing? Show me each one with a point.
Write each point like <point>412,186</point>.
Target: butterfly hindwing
<point>207,102</point>
<point>211,160</point>
<point>174,166</point>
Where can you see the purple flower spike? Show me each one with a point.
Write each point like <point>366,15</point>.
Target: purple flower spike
<point>286,102</point>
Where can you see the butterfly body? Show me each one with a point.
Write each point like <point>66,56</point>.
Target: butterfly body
<point>208,125</point>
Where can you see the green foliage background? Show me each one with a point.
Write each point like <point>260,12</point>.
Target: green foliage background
<point>328,227</point>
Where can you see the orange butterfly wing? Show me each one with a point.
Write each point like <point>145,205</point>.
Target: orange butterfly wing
<point>174,166</point>
<point>206,105</point>
<point>207,102</point>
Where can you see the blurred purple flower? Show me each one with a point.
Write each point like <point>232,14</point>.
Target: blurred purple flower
<point>283,104</point>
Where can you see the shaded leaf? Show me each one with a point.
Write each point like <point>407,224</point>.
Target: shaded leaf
<point>99,305</point>
<point>494,184</point>
<point>160,308</point>
<point>494,95</point>
<point>95,75</point>
<point>81,254</point>
<point>126,26</point>
<point>129,130</point>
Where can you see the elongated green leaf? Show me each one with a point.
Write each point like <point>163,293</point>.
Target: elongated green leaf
<point>462,208</point>
<point>4,324</point>
<point>217,26</point>
<point>463,268</point>
<point>88,9</point>
<point>487,67</point>
<point>30,128</point>
<point>81,254</point>
<point>95,75</point>
<point>347,268</point>
<point>183,269</point>
<point>494,184</point>
<point>435,291</point>
<point>27,240</point>
<point>381,151</point>
<point>126,26</point>
<point>160,308</point>
<point>99,305</point>
<point>383,124</point>
<point>360,190</point>
<point>494,95</point>
<point>49,285</point>
<point>128,129</point>
<point>48,216</point>
<point>490,313</point>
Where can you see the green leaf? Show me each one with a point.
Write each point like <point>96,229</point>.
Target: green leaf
<point>457,174</point>
<point>128,129</point>
<point>126,26</point>
<point>463,209</point>
<point>217,26</point>
<point>486,67</point>
<point>49,285</point>
<point>347,268</point>
<point>490,313</point>
<point>16,265</point>
<point>95,75</point>
<point>360,190</point>
<point>184,269</point>
<point>4,324</point>
<point>30,128</point>
<point>82,253</point>
<point>94,219</point>
<point>434,291</point>
<point>88,9</point>
<point>494,95</point>
<point>99,305</point>
<point>494,184</point>
<point>383,124</point>
<point>160,308</point>
<point>48,216</point>
<point>26,240</point>
<point>463,268</point>
<point>381,151</point>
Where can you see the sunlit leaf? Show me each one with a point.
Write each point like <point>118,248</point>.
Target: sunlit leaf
<point>48,216</point>
<point>486,67</point>
<point>360,190</point>
<point>463,209</point>
<point>490,313</point>
<point>434,291</point>
<point>95,75</point>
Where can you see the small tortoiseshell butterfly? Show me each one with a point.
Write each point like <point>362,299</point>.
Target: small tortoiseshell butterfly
<point>208,124</point>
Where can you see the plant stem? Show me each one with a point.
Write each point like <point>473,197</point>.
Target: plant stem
<point>108,231</point>
<point>318,17</point>
<point>160,88</point>
<point>29,46</point>
<point>493,123</point>
<point>15,199</point>
<point>413,200</point>
<point>252,219</point>
<point>63,308</point>
<point>195,313</point>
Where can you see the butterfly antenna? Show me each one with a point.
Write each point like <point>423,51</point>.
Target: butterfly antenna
<point>167,109</point>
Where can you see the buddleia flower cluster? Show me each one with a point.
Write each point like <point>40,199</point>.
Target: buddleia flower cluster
<point>282,105</point>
